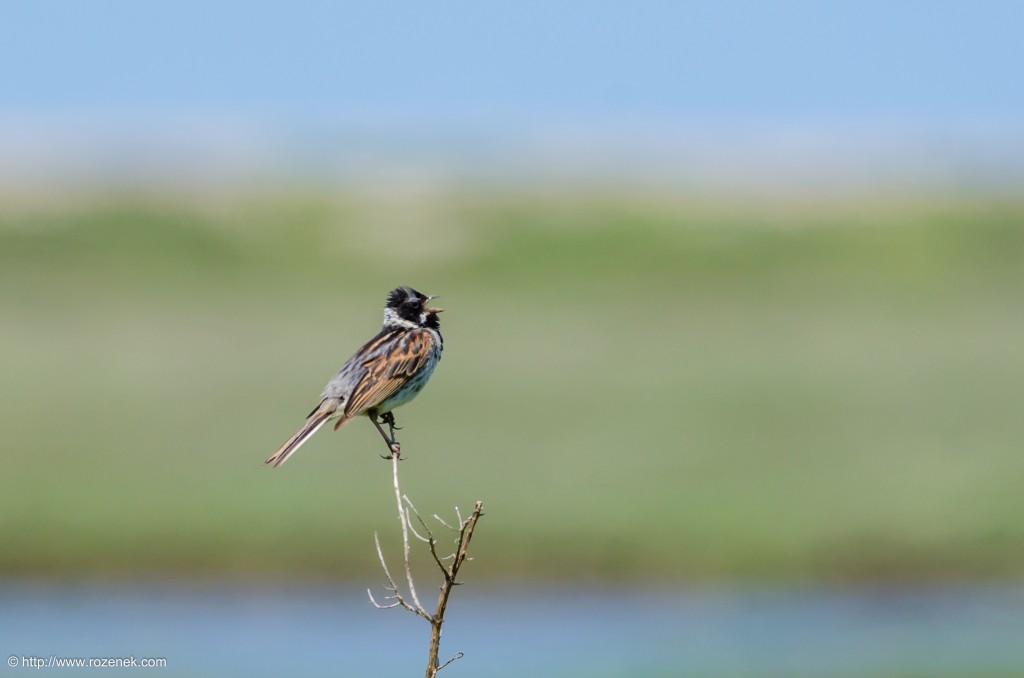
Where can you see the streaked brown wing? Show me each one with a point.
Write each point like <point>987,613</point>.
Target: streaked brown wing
<point>387,372</point>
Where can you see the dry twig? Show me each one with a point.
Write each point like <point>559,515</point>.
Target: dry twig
<point>449,572</point>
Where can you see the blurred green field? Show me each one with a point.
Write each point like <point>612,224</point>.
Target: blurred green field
<point>635,384</point>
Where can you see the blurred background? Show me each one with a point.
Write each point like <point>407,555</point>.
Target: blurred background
<point>733,333</point>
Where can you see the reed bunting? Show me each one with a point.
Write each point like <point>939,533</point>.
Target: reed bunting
<point>388,371</point>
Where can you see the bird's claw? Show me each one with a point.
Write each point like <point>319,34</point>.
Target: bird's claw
<point>396,452</point>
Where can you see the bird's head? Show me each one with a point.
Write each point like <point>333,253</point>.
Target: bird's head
<point>408,308</point>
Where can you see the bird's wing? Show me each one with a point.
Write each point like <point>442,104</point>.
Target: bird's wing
<point>389,369</point>
<point>344,383</point>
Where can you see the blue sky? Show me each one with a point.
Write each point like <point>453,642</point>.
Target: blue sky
<point>715,89</point>
<point>481,61</point>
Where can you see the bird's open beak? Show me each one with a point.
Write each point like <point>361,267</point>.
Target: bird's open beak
<point>431,309</point>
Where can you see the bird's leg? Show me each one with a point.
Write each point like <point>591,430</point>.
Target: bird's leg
<point>390,441</point>
<point>389,419</point>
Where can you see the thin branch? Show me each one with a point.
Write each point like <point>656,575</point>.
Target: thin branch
<point>383,563</point>
<point>405,538</point>
<point>410,507</point>
<point>378,605</point>
<point>419,536</point>
<point>441,520</point>
<point>438,560</point>
<point>431,541</point>
<point>392,586</point>
<point>449,572</point>
<point>457,656</point>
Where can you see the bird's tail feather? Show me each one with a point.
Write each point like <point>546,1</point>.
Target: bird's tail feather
<point>316,419</point>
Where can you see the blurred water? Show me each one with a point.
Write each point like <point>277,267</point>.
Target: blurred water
<point>229,630</point>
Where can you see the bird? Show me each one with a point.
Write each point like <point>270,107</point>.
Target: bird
<point>388,371</point>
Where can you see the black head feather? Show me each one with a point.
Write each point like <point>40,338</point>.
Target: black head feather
<point>402,295</point>
<point>408,304</point>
